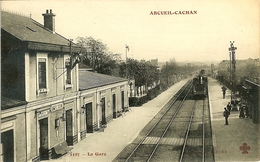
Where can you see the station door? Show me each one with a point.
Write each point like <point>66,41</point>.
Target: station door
<point>44,151</point>
<point>7,139</point>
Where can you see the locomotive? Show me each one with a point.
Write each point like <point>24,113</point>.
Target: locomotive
<point>200,85</point>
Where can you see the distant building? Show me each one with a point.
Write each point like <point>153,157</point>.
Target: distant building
<point>154,62</point>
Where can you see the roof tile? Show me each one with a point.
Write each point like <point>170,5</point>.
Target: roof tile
<point>27,29</point>
<point>88,80</point>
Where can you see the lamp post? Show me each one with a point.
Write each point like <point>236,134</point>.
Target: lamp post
<point>126,49</point>
<point>232,67</point>
<point>230,73</point>
<point>129,85</point>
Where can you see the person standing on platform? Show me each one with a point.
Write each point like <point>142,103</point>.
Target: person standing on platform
<point>241,112</point>
<point>226,115</point>
<point>224,91</point>
<point>247,111</point>
<point>229,106</point>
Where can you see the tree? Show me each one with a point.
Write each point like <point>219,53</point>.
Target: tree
<point>143,72</point>
<point>249,71</point>
<point>98,57</point>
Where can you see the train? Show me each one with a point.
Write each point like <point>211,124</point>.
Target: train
<point>200,85</point>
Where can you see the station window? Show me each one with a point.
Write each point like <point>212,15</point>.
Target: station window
<point>42,71</point>
<point>68,74</point>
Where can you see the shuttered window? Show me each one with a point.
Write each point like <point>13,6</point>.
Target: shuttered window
<point>42,73</point>
<point>68,72</point>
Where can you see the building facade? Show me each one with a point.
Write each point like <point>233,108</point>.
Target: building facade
<point>102,98</point>
<point>39,70</point>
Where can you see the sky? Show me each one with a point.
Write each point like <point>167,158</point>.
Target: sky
<point>204,36</point>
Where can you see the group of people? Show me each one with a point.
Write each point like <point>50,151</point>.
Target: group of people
<point>243,112</point>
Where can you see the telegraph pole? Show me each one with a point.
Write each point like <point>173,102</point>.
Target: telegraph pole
<point>232,66</point>
<point>71,59</point>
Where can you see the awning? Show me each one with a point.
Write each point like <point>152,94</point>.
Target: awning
<point>10,103</point>
<point>62,148</point>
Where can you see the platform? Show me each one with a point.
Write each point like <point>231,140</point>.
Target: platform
<point>238,141</point>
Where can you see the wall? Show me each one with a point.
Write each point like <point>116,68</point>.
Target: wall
<point>20,138</point>
<point>109,108</point>
<point>56,76</point>
<point>12,67</point>
<point>13,82</point>
<point>57,135</point>
<point>95,94</point>
<point>33,140</point>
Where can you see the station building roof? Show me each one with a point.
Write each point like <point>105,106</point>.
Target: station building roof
<point>89,80</point>
<point>34,34</point>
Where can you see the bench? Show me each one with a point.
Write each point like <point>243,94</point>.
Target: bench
<point>119,113</point>
<point>61,149</point>
<point>102,127</point>
<point>126,109</point>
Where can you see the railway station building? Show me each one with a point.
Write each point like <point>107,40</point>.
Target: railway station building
<point>102,98</point>
<point>251,95</point>
<point>47,103</point>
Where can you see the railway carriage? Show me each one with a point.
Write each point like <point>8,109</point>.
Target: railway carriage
<point>200,85</point>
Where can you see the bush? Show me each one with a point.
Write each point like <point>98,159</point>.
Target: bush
<point>133,101</point>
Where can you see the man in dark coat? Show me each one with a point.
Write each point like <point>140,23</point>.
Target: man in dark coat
<point>224,91</point>
<point>229,106</point>
<point>241,112</point>
<point>226,115</point>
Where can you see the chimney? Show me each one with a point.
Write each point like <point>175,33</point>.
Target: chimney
<point>49,20</point>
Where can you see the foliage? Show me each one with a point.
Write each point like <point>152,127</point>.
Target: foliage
<point>143,72</point>
<point>249,71</point>
<point>244,69</point>
<point>171,71</point>
<point>98,57</point>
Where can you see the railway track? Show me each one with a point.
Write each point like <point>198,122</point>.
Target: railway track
<point>197,144</point>
<point>164,138</point>
<point>195,141</point>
